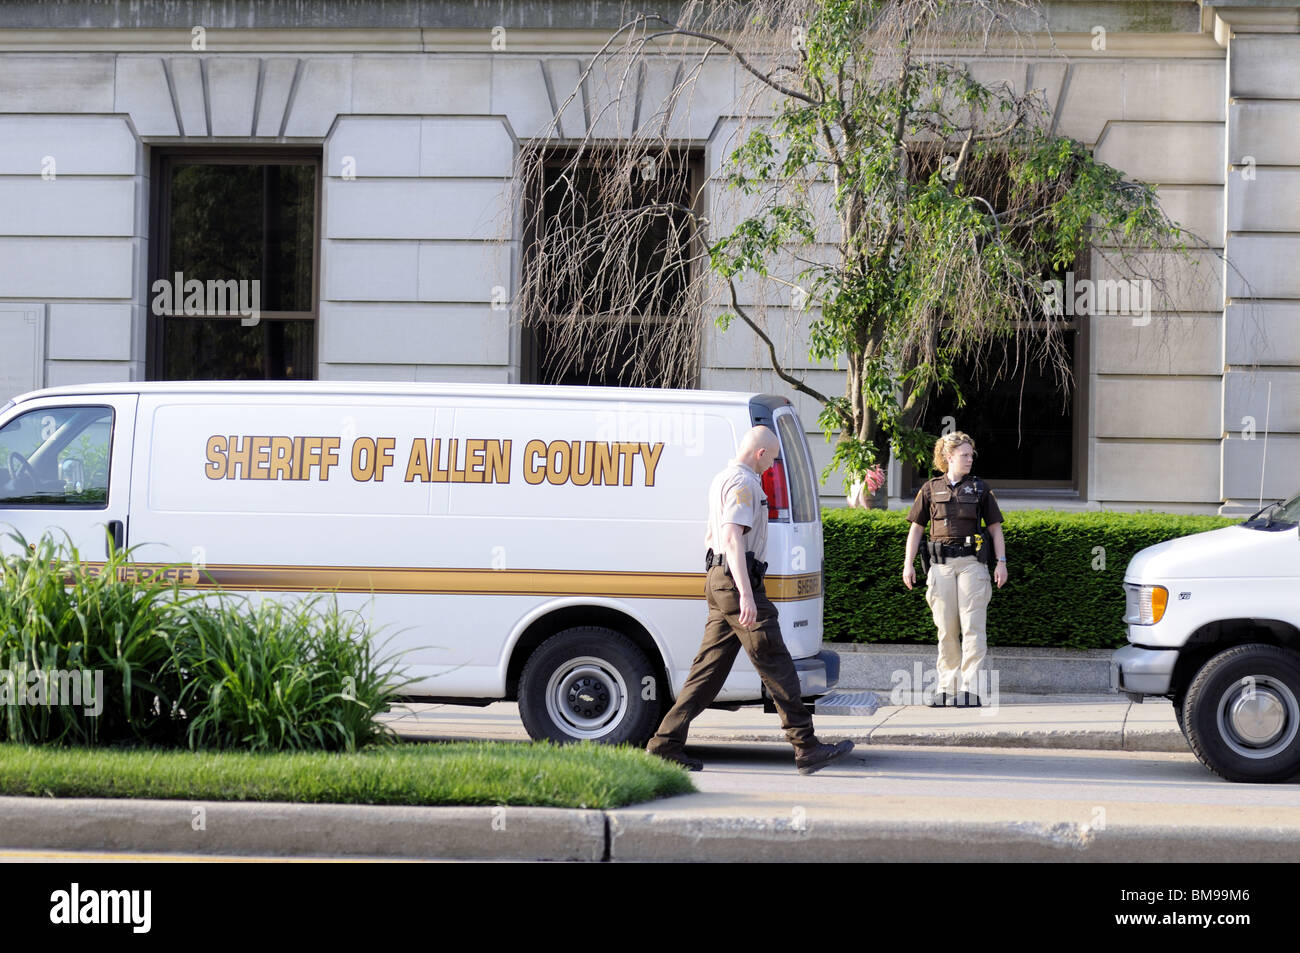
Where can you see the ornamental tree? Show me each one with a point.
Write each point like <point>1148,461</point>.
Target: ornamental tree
<point>905,209</point>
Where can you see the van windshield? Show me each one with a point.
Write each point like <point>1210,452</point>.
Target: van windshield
<point>1286,513</point>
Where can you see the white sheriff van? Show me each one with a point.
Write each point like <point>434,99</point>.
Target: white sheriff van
<point>1214,624</point>
<point>543,544</point>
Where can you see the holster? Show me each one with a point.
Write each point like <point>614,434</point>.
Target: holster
<point>756,569</point>
<point>925,556</point>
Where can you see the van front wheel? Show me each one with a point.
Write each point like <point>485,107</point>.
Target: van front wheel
<point>589,684</point>
<point>1242,713</point>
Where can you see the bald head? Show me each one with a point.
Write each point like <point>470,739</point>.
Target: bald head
<point>758,449</point>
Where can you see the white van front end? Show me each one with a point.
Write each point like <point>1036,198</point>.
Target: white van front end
<point>1214,624</point>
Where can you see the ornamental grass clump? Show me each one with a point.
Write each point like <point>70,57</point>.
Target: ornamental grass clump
<point>85,648</point>
<point>277,677</point>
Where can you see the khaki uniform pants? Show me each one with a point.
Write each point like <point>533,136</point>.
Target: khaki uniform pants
<point>723,638</point>
<point>958,592</point>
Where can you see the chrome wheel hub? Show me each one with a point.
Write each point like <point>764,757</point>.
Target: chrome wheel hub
<point>587,697</point>
<point>1258,716</point>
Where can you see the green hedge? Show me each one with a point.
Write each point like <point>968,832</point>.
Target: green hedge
<point>1058,593</point>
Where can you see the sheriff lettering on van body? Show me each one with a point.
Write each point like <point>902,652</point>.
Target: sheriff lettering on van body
<point>474,460</point>
<point>271,458</point>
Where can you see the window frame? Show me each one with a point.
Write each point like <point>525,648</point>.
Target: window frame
<point>559,156</point>
<point>108,484</point>
<point>1076,487</point>
<point>162,159</point>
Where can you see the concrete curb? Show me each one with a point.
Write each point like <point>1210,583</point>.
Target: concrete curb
<point>646,836</point>
<point>1017,670</point>
<point>639,834</point>
<point>338,830</point>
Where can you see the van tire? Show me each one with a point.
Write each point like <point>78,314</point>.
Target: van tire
<point>1179,700</point>
<point>1242,714</point>
<point>589,684</point>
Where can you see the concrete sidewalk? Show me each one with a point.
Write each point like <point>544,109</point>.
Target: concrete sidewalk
<point>1097,723</point>
<point>1040,698</point>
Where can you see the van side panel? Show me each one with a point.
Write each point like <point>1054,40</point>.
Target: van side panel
<point>447,521</point>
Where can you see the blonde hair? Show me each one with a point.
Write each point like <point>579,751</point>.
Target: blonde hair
<point>946,445</point>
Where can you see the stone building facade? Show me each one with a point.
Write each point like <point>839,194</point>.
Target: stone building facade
<point>409,117</point>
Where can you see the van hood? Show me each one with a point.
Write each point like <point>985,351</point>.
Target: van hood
<point>1227,553</point>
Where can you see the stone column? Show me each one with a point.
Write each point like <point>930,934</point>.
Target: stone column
<point>1261,379</point>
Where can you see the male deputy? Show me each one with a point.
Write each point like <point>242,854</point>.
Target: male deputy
<point>741,614</point>
<point>957,577</point>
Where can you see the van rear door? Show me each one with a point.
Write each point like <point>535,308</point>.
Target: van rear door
<point>65,467</point>
<point>794,547</point>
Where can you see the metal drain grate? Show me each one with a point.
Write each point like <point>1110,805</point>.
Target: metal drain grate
<point>848,703</point>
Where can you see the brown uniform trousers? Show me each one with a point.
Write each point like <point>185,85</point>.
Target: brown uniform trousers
<point>723,638</point>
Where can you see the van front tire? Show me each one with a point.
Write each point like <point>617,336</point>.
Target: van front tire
<point>1242,714</point>
<point>589,684</point>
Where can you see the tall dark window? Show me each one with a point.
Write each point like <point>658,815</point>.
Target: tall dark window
<point>234,234</point>
<point>1028,431</point>
<point>631,317</point>
<point>1022,423</point>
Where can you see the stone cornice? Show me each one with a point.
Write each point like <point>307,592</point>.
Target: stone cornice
<point>1230,18</point>
<point>516,40</point>
<point>1154,16</point>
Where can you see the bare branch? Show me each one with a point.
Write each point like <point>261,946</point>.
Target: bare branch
<point>739,57</point>
<point>776,364</point>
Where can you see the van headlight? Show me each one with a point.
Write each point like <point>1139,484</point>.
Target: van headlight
<point>1144,605</point>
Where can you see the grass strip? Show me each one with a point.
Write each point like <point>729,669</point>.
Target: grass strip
<point>468,773</point>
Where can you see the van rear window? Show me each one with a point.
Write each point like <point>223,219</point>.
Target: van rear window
<point>798,468</point>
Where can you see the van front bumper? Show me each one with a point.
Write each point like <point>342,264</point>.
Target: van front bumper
<point>1145,671</point>
<point>818,674</point>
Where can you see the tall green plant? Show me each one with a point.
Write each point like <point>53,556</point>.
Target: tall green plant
<point>274,677</point>
<point>97,632</point>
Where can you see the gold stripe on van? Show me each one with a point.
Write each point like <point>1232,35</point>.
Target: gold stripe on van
<point>506,582</point>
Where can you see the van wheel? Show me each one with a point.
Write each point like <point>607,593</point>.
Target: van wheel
<point>1242,714</point>
<point>1178,701</point>
<point>589,684</point>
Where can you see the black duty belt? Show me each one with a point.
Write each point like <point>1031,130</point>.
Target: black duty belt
<point>755,567</point>
<point>952,549</point>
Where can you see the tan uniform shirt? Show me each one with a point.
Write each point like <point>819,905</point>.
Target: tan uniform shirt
<point>736,496</point>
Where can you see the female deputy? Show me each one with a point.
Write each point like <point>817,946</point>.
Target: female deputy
<point>957,579</point>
